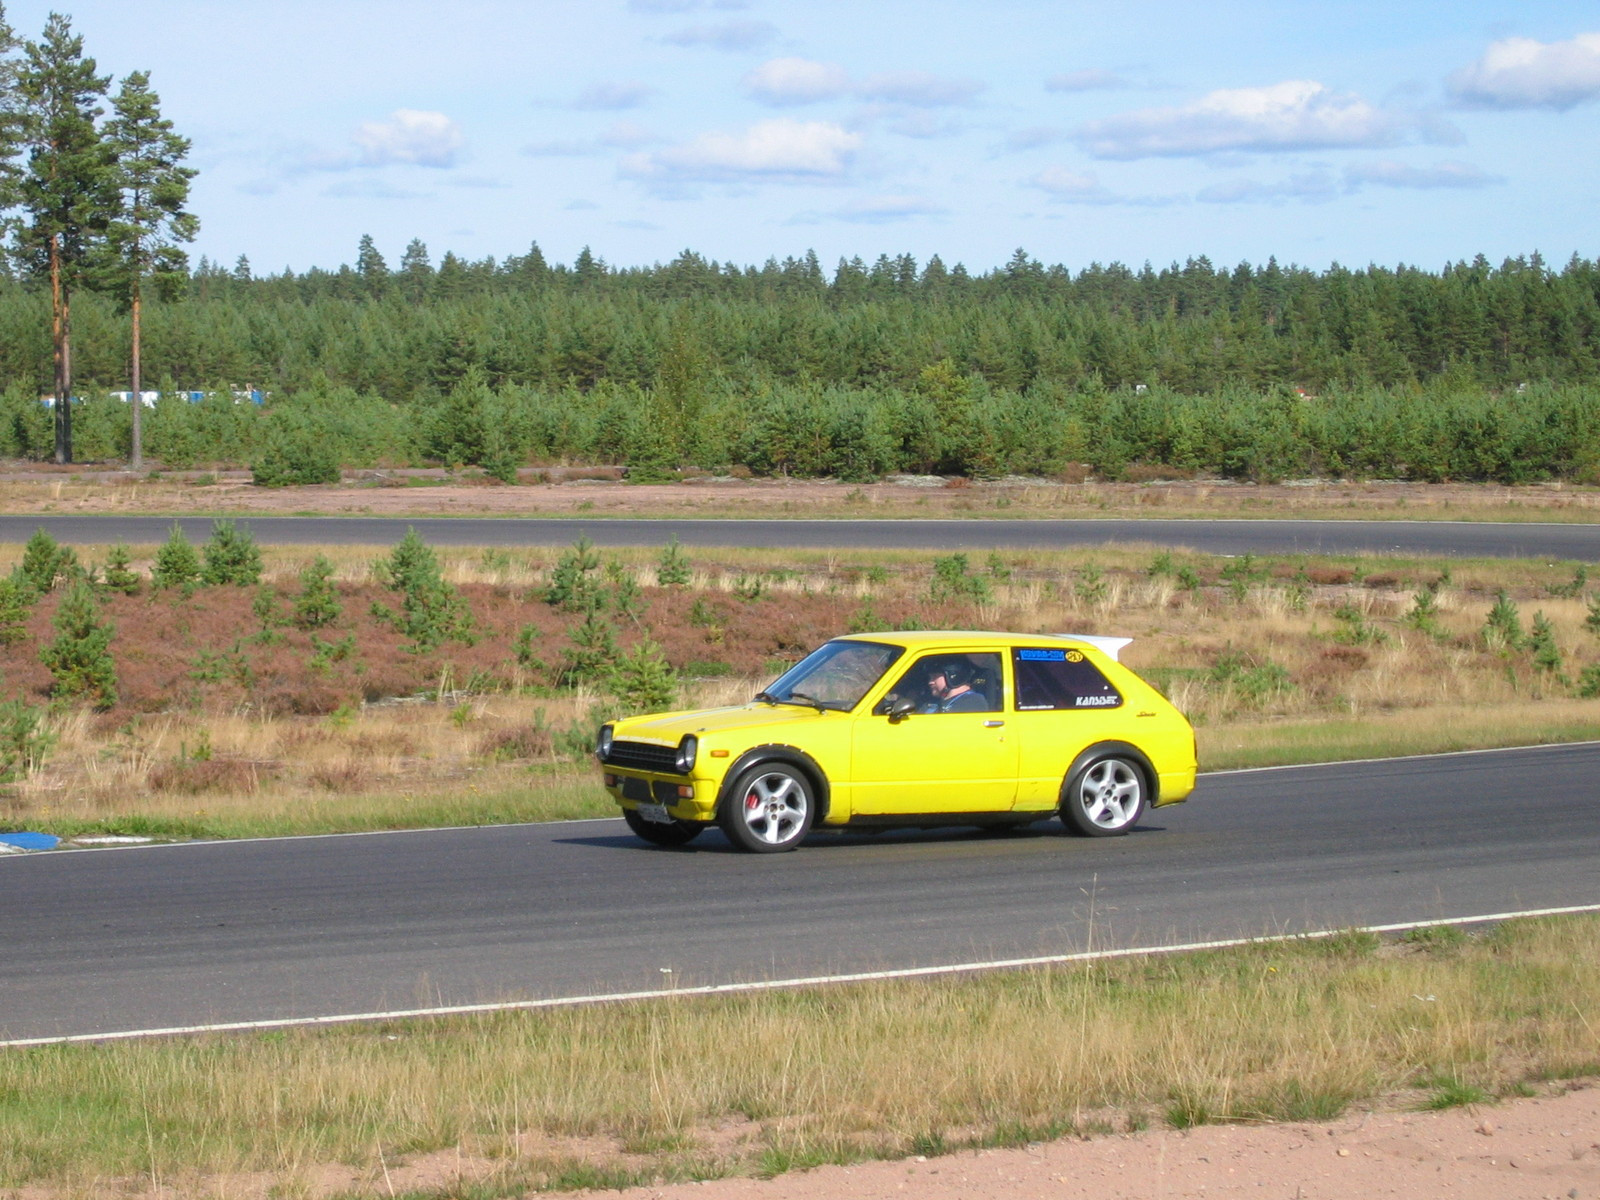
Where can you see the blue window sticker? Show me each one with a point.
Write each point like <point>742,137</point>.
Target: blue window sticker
<point>1042,655</point>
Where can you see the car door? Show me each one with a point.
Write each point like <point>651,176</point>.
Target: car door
<point>937,762</point>
<point>1062,704</point>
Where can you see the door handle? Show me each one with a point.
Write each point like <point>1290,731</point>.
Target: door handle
<point>993,724</point>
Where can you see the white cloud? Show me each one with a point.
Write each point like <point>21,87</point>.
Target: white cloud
<point>1402,175</point>
<point>1034,137</point>
<point>1084,81</point>
<point>783,82</point>
<point>1519,72</point>
<point>611,97</point>
<point>777,149</point>
<point>369,189</point>
<point>559,148</point>
<point>1318,187</point>
<point>1312,188</point>
<point>626,135</point>
<point>408,135</point>
<point>730,35</point>
<point>788,81</point>
<point>880,210</point>
<point>919,88</point>
<point>1073,187</point>
<point>1298,114</point>
<point>1066,186</point>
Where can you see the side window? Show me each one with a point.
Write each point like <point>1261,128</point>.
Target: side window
<point>1059,678</point>
<point>940,683</point>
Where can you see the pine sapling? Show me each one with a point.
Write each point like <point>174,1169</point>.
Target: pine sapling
<point>16,605</point>
<point>1542,643</point>
<point>119,574</point>
<point>176,564</point>
<point>318,604</point>
<point>642,680</point>
<point>673,568</point>
<point>79,657</point>
<point>231,557</point>
<point>1503,627</point>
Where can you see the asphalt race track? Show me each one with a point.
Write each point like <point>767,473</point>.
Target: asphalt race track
<point>1459,538</point>
<point>158,937</point>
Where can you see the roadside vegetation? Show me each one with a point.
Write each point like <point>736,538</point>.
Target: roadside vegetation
<point>226,690</point>
<point>1473,372</point>
<point>702,1087</point>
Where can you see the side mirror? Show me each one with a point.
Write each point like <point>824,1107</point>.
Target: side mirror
<point>899,710</point>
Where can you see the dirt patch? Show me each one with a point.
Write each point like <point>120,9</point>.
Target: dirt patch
<point>1526,1150</point>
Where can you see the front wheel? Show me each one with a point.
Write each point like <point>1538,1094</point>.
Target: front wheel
<point>769,808</point>
<point>1104,797</point>
<point>671,833</point>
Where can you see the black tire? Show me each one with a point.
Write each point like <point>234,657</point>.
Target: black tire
<point>1105,796</point>
<point>769,808</point>
<point>674,833</point>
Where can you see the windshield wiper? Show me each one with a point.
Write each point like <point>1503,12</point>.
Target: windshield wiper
<point>792,698</point>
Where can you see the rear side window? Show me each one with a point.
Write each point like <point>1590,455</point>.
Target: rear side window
<point>1059,678</point>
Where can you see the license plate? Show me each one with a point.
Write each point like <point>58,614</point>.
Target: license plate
<point>656,813</point>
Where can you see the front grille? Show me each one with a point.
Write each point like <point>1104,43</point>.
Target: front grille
<point>643,756</point>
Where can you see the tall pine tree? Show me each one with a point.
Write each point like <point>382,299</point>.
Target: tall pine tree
<point>67,191</point>
<point>150,221</point>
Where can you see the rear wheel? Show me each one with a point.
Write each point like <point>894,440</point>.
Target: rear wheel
<point>671,833</point>
<point>769,808</point>
<point>1104,797</point>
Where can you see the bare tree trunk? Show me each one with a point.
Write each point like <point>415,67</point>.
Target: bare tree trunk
<point>136,455</point>
<point>60,335</point>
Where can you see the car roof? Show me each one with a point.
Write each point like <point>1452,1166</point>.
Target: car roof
<point>933,639</point>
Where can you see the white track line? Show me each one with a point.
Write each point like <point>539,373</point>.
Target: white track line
<point>724,989</point>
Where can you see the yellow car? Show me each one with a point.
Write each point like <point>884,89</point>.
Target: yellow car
<point>910,729</point>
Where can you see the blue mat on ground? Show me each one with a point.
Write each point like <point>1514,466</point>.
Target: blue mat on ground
<point>30,841</point>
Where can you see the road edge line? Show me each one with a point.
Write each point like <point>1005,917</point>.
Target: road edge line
<point>769,985</point>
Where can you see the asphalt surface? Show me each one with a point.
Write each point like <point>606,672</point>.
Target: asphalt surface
<point>100,941</point>
<point>1457,538</point>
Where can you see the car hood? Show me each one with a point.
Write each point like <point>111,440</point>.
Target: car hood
<point>670,727</point>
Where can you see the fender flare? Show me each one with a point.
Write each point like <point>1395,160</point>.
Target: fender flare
<point>778,752</point>
<point>1124,749</point>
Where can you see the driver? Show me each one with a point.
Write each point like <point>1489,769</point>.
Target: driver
<point>950,685</point>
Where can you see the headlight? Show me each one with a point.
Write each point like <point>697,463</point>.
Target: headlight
<point>602,743</point>
<point>687,749</point>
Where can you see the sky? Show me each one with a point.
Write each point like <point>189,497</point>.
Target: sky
<point>1145,130</point>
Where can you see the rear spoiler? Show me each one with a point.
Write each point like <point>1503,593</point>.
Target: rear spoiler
<point>1109,646</point>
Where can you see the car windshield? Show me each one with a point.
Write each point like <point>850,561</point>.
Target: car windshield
<point>835,675</point>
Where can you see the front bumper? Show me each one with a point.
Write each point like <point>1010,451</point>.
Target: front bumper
<point>686,798</point>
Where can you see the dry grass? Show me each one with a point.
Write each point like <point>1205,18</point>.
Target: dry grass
<point>712,1086</point>
<point>1285,660</point>
<point>41,488</point>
